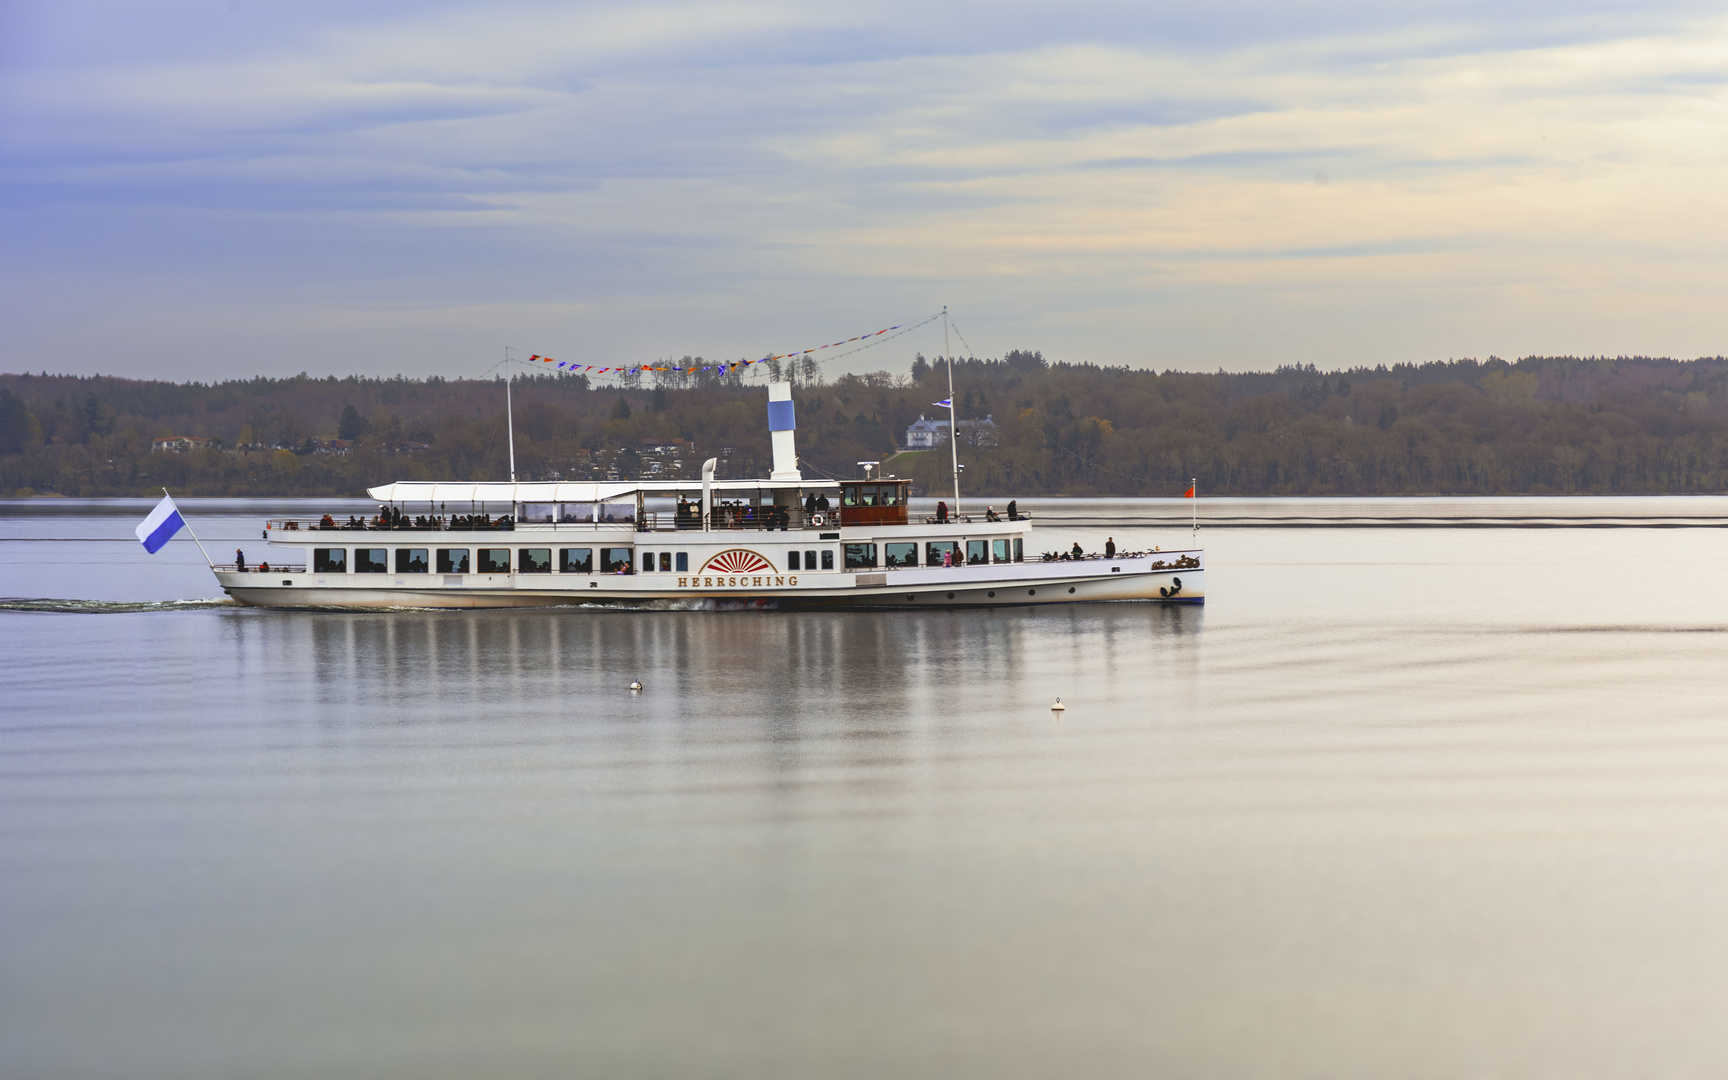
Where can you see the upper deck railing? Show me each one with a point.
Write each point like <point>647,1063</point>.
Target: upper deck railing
<point>721,519</point>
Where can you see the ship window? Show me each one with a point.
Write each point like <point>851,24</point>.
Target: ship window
<point>900,554</point>
<point>615,560</point>
<point>371,560</point>
<point>860,556</point>
<point>665,562</point>
<point>867,495</point>
<point>575,512</point>
<point>412,561</point>
<point>998,551</point>
<point>453,560</point>
<point>534,560</point>
<point>329,560</point>
<point>810,560</point>
<point>647,562</point>
<point>683,561</point>
<point>890,495</point>
<point>1019,549</point>
<point>934,549</point>
<point>975,552</point>
<point>792,561</point>
<point>849,495</point>
<point>576,560</point>
<point>828,559</point>
<point>494,560</point>
<point>536,513</point>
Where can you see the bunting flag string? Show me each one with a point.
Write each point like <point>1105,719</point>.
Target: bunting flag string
<point>729,366</point>
<point>837,344</point>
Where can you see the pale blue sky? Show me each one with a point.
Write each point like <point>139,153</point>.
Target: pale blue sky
<point>229,188</point>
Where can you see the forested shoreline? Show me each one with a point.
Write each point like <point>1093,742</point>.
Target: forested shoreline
<point>1540,425</point>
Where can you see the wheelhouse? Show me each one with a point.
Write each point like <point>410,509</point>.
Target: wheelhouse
<point>874,502</point>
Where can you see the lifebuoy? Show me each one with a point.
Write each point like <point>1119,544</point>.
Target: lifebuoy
<point>818,518</point>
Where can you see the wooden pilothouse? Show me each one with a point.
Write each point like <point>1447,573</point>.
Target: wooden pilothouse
<point>783,541</point>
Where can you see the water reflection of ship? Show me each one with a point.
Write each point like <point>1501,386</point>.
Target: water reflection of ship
<point>783,541</point>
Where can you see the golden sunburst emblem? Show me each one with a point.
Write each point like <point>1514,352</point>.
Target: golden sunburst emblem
<point>737,561</point>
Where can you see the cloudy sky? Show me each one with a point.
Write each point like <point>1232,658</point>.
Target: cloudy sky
<point>224,188</point>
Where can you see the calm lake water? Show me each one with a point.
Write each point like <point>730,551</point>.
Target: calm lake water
<point>1429,788</point>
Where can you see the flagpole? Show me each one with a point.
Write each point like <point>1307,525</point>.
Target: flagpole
<point>953,413</point>
<point>509,418</point>
<point>1194,486</point>
<point>207,559</point>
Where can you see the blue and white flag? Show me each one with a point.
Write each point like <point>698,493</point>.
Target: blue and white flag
<point>945,403</point>
<point>161,525</point>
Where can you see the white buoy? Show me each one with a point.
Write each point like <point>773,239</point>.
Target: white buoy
<point>636,686</point>
<point>1058,707</point>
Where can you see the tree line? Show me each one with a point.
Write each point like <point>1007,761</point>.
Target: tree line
<point>1539,425</point>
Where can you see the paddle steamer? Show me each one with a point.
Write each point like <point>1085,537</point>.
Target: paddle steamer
<point>784,541</point>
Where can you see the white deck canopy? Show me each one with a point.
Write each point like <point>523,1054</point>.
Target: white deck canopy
<point>423,491</point>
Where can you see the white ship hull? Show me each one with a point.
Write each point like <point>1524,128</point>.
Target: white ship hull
<point>1178,578</point>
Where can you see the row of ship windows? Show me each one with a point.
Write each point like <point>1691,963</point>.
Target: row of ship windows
<point>617,560</point>
<point>622,560</point>
<point>458,560</point>
<point>936,553</point>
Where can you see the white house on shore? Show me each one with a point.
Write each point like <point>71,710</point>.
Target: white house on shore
<point>177,444</point>
<point>925,434</point>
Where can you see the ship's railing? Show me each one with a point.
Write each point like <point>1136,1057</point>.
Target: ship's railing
<point>1181,562</point>
<point>968,519</point>
<point>753,519</point>
<point>454,523</point>
<point>260,568</point>
<point>721,519</point>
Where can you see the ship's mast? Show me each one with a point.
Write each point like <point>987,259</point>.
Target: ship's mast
<point>953,413</point>
<point>509,414</point>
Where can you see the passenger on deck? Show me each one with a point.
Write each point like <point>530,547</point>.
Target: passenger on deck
<point>990,514</point>
<point>822,503</point>
<point>239,560</point>
<point>1076,553</point>
<point>941,512</point>
<point>263,568</point>
<point>1110,548</point>
<point>1013,510</point>
<point>326,522</point>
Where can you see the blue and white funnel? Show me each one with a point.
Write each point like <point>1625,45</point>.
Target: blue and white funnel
<point>781,424</point>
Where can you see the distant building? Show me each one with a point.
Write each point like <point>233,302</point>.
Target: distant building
<point>926,434</point>
<point>178,444</point>
<point>978,432</point>
<point>665,459</point>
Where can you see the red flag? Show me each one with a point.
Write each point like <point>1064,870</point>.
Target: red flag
<point>1189,494</point>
